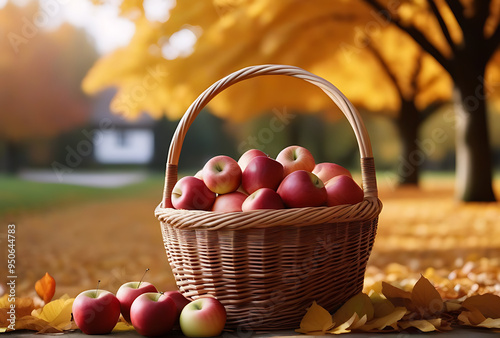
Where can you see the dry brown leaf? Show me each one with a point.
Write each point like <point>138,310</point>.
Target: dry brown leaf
<point>473,317</point>
<point>46,287</point>
<point>23,307</point>
<point>488,304</point>
<point>397,296</point>
<point>35,324</point>
<point>426,299</point>
<point>344,327</point>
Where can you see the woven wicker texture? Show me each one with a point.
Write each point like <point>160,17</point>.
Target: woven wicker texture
<point>267,266</point>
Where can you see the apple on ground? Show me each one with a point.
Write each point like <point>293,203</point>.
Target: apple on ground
<point>229,202</point>
<point>343,189</point>
<point>128,292</point>
<point>295,158</point>
<point>326,171</point>
<point>263,198</point>
<point>153,314</point>
<point>179,300</point>
<point>204,317</point>
<point>302,189</point>
<point>248,156</point>
<point>191,193</point>
<point>222,174</point>
<point>262,172</point>
<point>96,311</point>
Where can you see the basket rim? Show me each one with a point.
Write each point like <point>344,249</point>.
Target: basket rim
<point>347,108</point>
<point>368,209</point>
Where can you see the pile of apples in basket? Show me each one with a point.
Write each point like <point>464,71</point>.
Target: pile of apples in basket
<point>257,181</point>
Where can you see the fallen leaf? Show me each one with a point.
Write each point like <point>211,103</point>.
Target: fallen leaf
<point>35,324</point>
<point>316,320</point>
<point>426,299</point>
<point>46,287</point>
<point>23,307</point>
<point>388,320</point>
<point>473,317</point>
<point>360,304</point>
<point>397,296</point>
<point>423,325</point>
<point>123,326</point>
<point>488,304</point>
<point>57,313</point>
<point>344,327</point>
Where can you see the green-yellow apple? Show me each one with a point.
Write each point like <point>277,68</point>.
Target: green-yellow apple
<point>263,198</point>
<point>128,292</point>
<point>96,311</point>
<point>262,172</point>
<point>153,314</point>
<point>248,156</point>
<point>302,189</point>
<point>295,158</point>
<point>222,174</point>
<point>326,171</point>
<point>343,189</point>
<point>191,193</point>
<point>229,202</point>
<point>204,317</point>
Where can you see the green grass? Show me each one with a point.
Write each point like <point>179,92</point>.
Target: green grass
<point>17,195</point>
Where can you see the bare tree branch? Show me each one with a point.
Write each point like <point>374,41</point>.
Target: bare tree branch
<point>386,67</point>
<point>457,9</point>
<point>492,43</point>
<point>442,24</point>
<point>417,35</point>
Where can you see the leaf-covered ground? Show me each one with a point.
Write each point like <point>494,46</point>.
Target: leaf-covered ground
<point>426,232</point>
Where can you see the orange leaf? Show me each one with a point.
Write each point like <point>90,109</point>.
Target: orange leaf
<point>396,296</point>
<point>46,287</point>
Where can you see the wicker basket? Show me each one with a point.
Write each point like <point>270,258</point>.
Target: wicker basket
<point>267,266</point>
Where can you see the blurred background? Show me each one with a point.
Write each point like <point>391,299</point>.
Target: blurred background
<point>91,93</point>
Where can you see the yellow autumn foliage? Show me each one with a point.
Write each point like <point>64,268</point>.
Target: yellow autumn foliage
<point>323,36</point>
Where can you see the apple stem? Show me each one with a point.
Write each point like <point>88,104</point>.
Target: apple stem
<point>144,274</point>
<point>97,289</point>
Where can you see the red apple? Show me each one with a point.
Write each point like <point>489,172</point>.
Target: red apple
<point>248,156</point>
<point>222,174</point>
<point>191,193</point>
<point>343,189</point>
<point>326,171</point>
<point>153,314</point>
<point>128,292</point>
<point>204,317</point>
<point>262,172</point>
<point>96,311</point>
<point>264,198</point>
<point>302,189</point>
<point>179,300</point>
<point>295,158</point>
<point>229,202</point>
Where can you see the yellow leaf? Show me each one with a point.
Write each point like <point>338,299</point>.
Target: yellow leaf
<point>381,306</point>
<point>452,306</point>
<point>423,325</point>
<point>57,313</point>
<point>488,304</point>
<point>490,323</point>
<point>360,304</point>
<point>344,327</point>
<point>122,327</point>
<point>46,287</point>
<point>316,320</point>
<point>35,324</point>
<point>426,298</point>
<point>390,319</point>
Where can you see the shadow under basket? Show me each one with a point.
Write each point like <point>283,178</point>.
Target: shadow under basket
<point>267,266</point>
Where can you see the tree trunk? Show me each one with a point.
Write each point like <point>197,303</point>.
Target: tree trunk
<point>12,157</point>
<point>473,151</point>
<point>411,157</point>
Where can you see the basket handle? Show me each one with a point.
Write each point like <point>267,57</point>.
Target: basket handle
<point>352,115</point>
